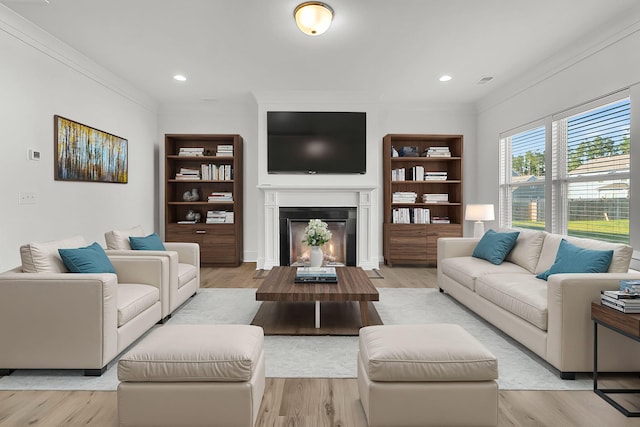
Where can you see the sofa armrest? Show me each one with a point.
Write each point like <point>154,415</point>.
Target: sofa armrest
<point>450,247</point>
<point>146,270</point>
<point>188,252</point>
<point>570,329</point>
<point>57,320</point>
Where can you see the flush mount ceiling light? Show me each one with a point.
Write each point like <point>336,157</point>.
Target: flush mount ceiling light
<point>313,17</point>
<point>180,78</point>
<point>445,78</point>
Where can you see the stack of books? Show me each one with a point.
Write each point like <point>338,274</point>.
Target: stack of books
<point>220,196</point>
<point>224,150</point>
<point>440,220</point>
<point>216,217</point>
<point>404,197</point>
<point>435,198</point>
<point>435,176</point>
<point>438,152</point>
<point>188,174</point>
<point>191,151</point>
<point>316,275</point>
<point>623,301</point>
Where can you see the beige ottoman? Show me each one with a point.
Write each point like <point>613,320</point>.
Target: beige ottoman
<point>193,375</point>
<point>426,375</point>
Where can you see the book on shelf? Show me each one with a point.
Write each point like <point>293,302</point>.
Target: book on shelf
<point>438,152</point>
<point>220,196</point>
<point>398,174</point>
<point>410,216</point>
<point>187,222</point>
<point>435,176</point>
<point>404,197</point>
<point>188,173</point>
<point>191,151</point>
<point>440,220</point>
<point>616,306</point>
<point>219,217</point>
<point>224,150</point>
<point>435,197</point>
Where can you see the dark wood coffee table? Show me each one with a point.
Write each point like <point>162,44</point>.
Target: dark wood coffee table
<point>353,286</point>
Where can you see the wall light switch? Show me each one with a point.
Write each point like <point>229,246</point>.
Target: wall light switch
<point>27,198</point>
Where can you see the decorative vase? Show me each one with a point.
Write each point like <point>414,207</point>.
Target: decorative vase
<point>316,257</point>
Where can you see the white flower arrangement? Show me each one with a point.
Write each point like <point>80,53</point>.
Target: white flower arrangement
<point>316,233</point>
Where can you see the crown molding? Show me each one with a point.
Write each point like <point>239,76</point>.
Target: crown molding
<point>31,35</point>
<point>563,60</point>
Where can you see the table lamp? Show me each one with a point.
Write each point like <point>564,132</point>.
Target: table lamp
<point>479,213</point>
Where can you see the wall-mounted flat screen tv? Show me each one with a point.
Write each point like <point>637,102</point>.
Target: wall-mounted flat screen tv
<point>313,142</point>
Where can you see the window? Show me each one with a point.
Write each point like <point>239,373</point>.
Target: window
<point>587,187</point>
<point>591,172</point>
<point>523,179</point>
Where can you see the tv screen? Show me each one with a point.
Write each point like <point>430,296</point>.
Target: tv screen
<point>316,142</point>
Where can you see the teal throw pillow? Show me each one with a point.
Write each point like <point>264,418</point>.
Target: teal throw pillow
<point>90,259</point>
<point>150,243</point>
<point>494,246</point>
<point>573,259</point>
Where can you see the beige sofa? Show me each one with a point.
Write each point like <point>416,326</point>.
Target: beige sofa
<point>184,265</point>
<point>552,318</point>
<point>53,319</point>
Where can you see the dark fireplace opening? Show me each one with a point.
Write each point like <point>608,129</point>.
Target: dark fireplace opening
<point>339,251</point>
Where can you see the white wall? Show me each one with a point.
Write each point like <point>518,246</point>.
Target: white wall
<point>604,67</point>
<point>39,78</point>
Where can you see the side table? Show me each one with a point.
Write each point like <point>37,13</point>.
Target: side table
<point>625,324</point>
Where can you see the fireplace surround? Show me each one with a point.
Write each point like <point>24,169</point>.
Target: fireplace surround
<point>362,197</point>
<point>341,219</point>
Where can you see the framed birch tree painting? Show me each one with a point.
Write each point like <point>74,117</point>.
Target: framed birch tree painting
<point>87,154</point>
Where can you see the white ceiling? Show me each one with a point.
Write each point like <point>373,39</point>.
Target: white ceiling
<point>392,50</point>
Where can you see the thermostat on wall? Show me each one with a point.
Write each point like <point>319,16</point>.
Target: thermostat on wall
<point>34,154</point>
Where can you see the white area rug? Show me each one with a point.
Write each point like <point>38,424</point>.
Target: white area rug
<point>326,356</point>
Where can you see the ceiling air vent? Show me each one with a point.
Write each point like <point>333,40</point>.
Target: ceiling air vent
<point>484,80</point>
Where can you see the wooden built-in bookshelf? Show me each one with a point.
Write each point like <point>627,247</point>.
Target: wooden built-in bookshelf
<point>221,244</point>
<point>415,242</point>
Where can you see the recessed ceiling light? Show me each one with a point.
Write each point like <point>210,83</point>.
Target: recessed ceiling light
<point>445,78</point>
<point>180,78</point>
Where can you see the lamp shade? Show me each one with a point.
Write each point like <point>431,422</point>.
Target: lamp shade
<point>479,213</point>
<point>313,18</point>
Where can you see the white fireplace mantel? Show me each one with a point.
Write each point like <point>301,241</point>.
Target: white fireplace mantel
<point>362,197</point>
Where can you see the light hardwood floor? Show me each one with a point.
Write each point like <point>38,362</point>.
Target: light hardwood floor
<point>316,402</point>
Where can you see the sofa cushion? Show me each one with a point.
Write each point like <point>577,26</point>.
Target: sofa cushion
<point>465,270</point>
<point>526,251</point>
<point>573,259</point>
<point>186,273</point>
<point>494,246</point>
<point>119,239</point>
<point>133,299</point>
<point>433,352</point>
<point>152,242</point>
<point>89,259</point>
<point>44,257</point>
<point>619,262</point>
<point>187,353</point>
<point>520,294</point>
